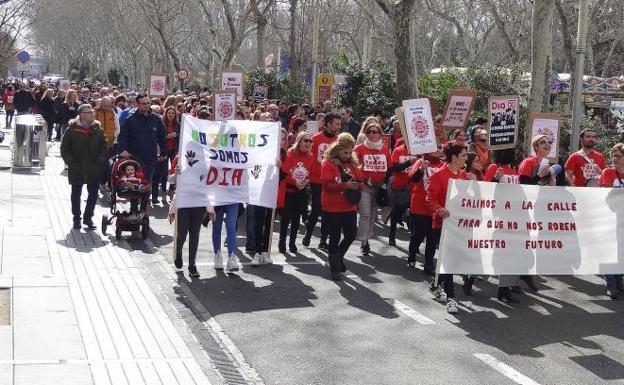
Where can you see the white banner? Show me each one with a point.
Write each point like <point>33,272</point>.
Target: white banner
<point>498,228</point>
<point>419,126</point>
<point>227,162</point>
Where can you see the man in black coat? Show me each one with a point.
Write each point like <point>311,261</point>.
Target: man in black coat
<point>24,100</point>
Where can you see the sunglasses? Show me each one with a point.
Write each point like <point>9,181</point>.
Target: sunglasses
<point>307,140</point>
<point>544,141</point>
<point>370,132</point>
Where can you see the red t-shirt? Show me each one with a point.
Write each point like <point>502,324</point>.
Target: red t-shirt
<point>281,188</point>
<point>170,141</point>
<point>510,175</point>
<point>419,190</point>
<point>297,167</point>
<point>436,195</point>
<point>401,179</point>
<point>7,99</point>
<point>586,170</point>
<point>373,163</point>
<point>320,142</point>
<point>332,198</point>
<point>611,178</point>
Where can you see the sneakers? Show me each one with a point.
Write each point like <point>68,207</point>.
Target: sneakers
<point>266,259</point>
<point>89,223</point>
<point>178,262</point>
<point>257,260</point>
<point>193,272</point>
<point>365,249</point>
<point>218,261</point>
<point>438,293</point>
<point>232,263</point>
<point>451,306</point>
<point>323,245</point>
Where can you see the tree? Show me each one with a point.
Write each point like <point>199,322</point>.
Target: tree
<point>400,12</point>
<point>237,21</point>
<point>260,10</point>
<point>541,55</point>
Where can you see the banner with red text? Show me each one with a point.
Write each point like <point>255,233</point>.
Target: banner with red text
<point>227,162</point>
<point>499,229</point>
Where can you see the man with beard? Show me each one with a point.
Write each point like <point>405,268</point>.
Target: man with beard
<point>583,167</point>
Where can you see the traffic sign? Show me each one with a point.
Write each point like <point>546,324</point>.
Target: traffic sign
<point>22,67</point>
<point>183,74</point>
<point>23,57</point>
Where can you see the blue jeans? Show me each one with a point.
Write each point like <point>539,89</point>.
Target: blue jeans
<point>231,214</point>
<point>612,279</point>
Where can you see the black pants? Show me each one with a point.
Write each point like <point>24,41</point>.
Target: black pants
<point>189,223</point>
<point>444,279</point>
<point>261,229</point>
<point>294,206</point>
<point>76,192</point>
<point>159,179</point>
<point>396,216</point>
<point>9,118</point>
<point>315,212</point>
<point>421,230</point>
<point>337,224</point>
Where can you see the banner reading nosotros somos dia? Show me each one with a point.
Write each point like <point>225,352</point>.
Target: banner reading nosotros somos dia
<point>227,162</point>
<point>518,229</point>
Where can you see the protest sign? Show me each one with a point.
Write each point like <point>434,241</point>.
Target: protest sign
<point>260,93</point>
<point>460,103</point>
<point>224,105</point>
<point>158,85</point>
<point>227,162</point>
<point>312,126</point>
<point>503,112</point>
<point>514,229</point>
<point>233,81</point>
<point>324,84</point>
<point>419,134</point>
<point>64,85</point>
<point>546,124</point>
<point>617,109</point>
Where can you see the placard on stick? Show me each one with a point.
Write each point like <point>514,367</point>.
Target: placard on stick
<point>503,125</point>
<point>233,81</point>
<point>418,127</point>
<point>546,124</point>
<point>458,107</point>
<point>224,105</point>
<point>158,85</point>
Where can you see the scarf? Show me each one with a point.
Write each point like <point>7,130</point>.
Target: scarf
<point>373,146</point>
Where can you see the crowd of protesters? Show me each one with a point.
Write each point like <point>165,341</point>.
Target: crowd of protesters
<point>343,176</point>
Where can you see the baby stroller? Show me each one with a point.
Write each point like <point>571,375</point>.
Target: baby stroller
<point>127,181</point>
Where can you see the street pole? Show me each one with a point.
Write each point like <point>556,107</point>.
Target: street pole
<point>577,106</point>
<point>315,43</point>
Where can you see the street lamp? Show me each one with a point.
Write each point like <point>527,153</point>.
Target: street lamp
<point>577,106</point>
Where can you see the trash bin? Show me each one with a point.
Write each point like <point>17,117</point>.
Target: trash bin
<point>29,143</point>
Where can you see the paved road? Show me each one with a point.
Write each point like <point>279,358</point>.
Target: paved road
<point>288,324</point>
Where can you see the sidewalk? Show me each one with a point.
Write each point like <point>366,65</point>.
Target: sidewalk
<point>80,310</point>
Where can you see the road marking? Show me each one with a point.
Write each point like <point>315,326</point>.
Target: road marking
<point>505,370</point>
<point>408,311</point>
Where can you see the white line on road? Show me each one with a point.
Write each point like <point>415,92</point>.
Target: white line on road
<point>408,311</point>
<point>505,370</point>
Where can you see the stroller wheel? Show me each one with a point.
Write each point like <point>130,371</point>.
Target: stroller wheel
<point>104,223</point>
<point>118,233</point>
<point>145,231</point>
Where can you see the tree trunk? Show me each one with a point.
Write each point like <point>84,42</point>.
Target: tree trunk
<point>294,68</point>
<point>261,40</point>
<point>541,55</point>
<point>607,62</point>
<point>406,77</point>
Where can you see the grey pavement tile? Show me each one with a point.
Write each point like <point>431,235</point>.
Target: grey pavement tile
<point>32,280</point>
<point>6,344</point>
<point>53,374</point>
<point>6,372</point>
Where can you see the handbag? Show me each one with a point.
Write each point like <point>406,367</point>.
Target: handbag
<point>353,196</point>
<point>400,197</point>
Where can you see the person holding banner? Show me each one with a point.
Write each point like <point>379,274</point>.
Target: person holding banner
<point>400,187</point>
<point>320,142</point>
<point>297,166</point>
<point>613,177</point>
<point>436,200</point>
<point>340,177</point>
<point>374,159</point>
<point>583,168</point>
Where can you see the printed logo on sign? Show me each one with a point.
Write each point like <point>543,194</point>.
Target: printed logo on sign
<point>321,151</point>
<point>591,171</point>
<point>225,108</point>
<point>419,126</point>
<point>158,85</point>
<point>375,163</point>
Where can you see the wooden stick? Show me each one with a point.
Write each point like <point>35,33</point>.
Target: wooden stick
<point>271,231</point>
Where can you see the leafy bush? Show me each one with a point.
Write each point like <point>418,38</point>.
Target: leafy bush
<point>279,88</point>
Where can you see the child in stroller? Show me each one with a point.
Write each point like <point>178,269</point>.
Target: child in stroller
<point>131,180</point>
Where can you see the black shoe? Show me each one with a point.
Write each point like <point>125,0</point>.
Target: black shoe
<point>306,241</point>
<point>77,223</point>
<point>411,262</point>
<point>467,287</point>
<point>504,294</point>
<point>155,201</point>
<point>292,247</point>
<point>336,276</point>
<point>178,262</point>
<point>343,268</point>
<point>530,282</point>
<point>323,245</point>
<point>193,272</point>
<point>392,241</point>
<point>89,223</point>
<point>282,245</point>
<point>365,249</point>
<point>517,290</point>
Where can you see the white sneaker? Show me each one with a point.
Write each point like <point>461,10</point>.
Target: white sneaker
<point>257,260</point>
<point>232,263</point>
<point>266,259</point>
<point>451,306</point>
<point>218,261</point>
<point>439,293</point>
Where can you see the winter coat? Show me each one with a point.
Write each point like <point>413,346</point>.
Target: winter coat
<point>142,135</point>
<point>67,112</point>
<point>84,152</point>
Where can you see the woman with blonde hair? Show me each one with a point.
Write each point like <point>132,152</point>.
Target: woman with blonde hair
<point>46,107</point>
<point>342,186</point>
<point>374,162</point>
<point>297,166</point>
<point>69,109</point>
